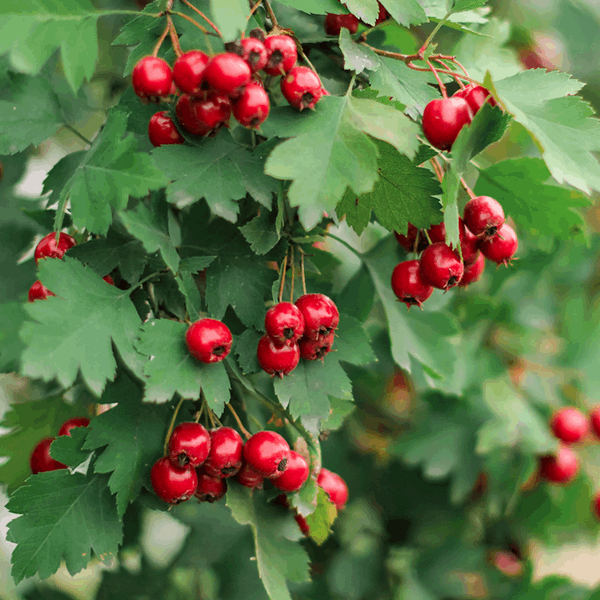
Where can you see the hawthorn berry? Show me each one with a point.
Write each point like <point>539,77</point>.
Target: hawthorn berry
<point>508,563</point>
<point>152,77</point>
<point>483,215</point>
<point>69,424</point>
<point>281,54</point>
<point>443,118</point>
<point>295,474</point>
<point>254,53</point>
<point>162,130</point>
<point>476,96</point>
<point>408,285</point>
<point>413,241</point>
<point>316,349</point>
<point>38,291</point>
<point>40,460</point>
<point>208,340</point>
<point>188,72</point>
<point>226,451</point>
<point>473,272</point>
<point>284,323</point>
<point>560,467</point>
<point>211,112</point>
<point>569,425</point>
<point>301,87</point>
<point>184,109</point>
<point>320,313</point>
<point>335,487</point>
<point>596,505</point>
<point>277,359</point>
<point>172,483</point>
<point>210,489</point>
<point>501,247</point>
<point>383,14</point>
<point>249,478</point>
<point>48,247</point>
<point>252,107</point>
<point>109,280</point>
<point>595,421</point>
<point>227,73</point>
<point>468,241</point>
<point>440,266</point>
<point>302,524</point>
<point>267,453</point>
<point>189,444</point>
<point>335,23</point>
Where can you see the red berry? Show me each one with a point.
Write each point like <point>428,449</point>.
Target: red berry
<point>249,478</point>
<point>252,107</point>
<point>408,285</point>
<point>226,450</point>
<point>595,421</point>
<point>408,241</point>
<point>561,467</point>
<point>162,130</point>
<point>483,215</point>
<point>335,23</point>
<point>501,247</point>
<point>152,77</point>
<point>569,425</point>
<point>38,291</point>
<point>383,14</point>
<point>188,71</point>
<point>277,359</point>
<point>208,340</point>
<point>335,487</point>
<point>109,280</point>
<point>172,483</point>
<point>508,563</point>
<point>267,453</point>
<point>468,241</point>
<point>476,96</point>
<point>40,460</point>
<point>189,444</point>
<point>295,474</point>
<point>443,118</point>
<point>473,272</point>
<point>254,53</point>
<point>65,428</point>
<point>48,247</point>
<point>210,489</point>
<point>596,505</point>
<point>284,323</point>
<point>227,73</point>
<point>304,528</point>
<point>212,112</point>
<point>321,315</point>
<point>184,109</point>
<point>316,349</point>
<point>301,87</point>
<point>440,266</point>
<point>281,54</point>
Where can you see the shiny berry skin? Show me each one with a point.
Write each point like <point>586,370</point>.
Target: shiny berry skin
<point>408,285</point>
<point>40,460</point>
<point>569,425</point>
<point>440,266</point>
<point>49,248</point>
<point>335,487</point>
<point>226,451</point>
<point>596,505</point>
<point>109,280</point>
<point>252,107</point>
<point>321,315</point>
<point>501,247</point>
<point>559,468</point>
<point>468,241</point>
<point>227,73</point>
<point>208,340</point>
<point>335,23</point>
<point>152,77</point>
<point>284,323</point>
<point>383,14</point>
<point>210,489</point>
<point>188,71</point>
<point>443,118</point>
<point>162,130</point>
<point>212,112</point>
<point>483,215</point>
<point>408,241</point>
<point>302,524</point>
<point>295,474</point>
<point>316,349</point>
<point>38,291</point>
<point>595,421</point>
<point>277,359</point>
<point>301,87</point>
<point>184,109</point>
<point>267,453</point>
<point>254,53</point>
<point>172,483</point>
<point>189,444</point>
<point>476,96</point>
<point>473,272</point>
<point>249,478</point>
<point>281,54</point>
<point>65,428</point>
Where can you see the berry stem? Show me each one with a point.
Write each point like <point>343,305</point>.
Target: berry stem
<point>345,243</point>
<point>271,14</point>
<point>190,5</point>
<point>457,79</point>
<point>302,273</point>
<point>433,34</point>
<point>467,188</point>
<point>200,27</point>
<point>171,426</point>
<point>79,135</point>
<point>437,168</point>
<point>174,37</point>
<point>253,9</point>
<point>246,433</point>
<point>198,415</point>
<point>161,39</point>
<point>282,283</point>
<point>293,275</point>
<point>437,78</point>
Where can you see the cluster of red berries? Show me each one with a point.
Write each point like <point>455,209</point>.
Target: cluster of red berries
<point>208,340</point>
<point>305,329</point>
<point>482,233</point>
<point>40,460</point>
<point>335,23</point>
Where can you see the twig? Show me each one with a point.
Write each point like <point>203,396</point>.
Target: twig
<point>190,5</point>
<point>174,38</point>
<point>200,27</point>
<point>302,273</point>
<point>246,433</point>
<point>166,446</point>
<point>293,275</point>
<point>271,14</point>
<point>161,39</point>
<point>254,9</point>
<point>283,271</point>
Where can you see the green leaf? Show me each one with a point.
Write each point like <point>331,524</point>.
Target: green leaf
<point>260,233</point>
<point>406,12</point>
<point>68,449</point>
<point>230,17</point>
<point>73,331</point>
<point>365,10</point>
<point>340,409</point>
<point>352,343</point>
<point>195,264</point>
<point>318,7</point>
<point>193,301</point>
<point>245,346</point>
<point>462,5</point>
<point>356,58</point>
<point>63,516</point>
<point>320,521</point>
<point>12,317</point>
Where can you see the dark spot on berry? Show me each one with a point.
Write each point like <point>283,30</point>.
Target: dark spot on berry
<point>219,350</point>
<point>288,332</point>
<point>452,281</point>
<point>491,231</point>
<point>253,58</point>
<point>282,465</point>
<point>275,59</point>
<point>307,98</point>
<point>410,300</point>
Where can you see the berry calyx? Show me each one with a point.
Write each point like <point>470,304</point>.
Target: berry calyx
<point>284,323</point>
<point>226,451</point>
<point>316,349</point>
<point>162,130</point>
<point>281,54</point>
<point>301,87</point>
<point>335,23</point>
<point>189,444</point>
<point>409,241</point>
<point>569,425</point>
<point>252,107</point>
<point>254,53</point>
<point>267,453</point>
<point>335,487</point>
<point>227,73</point>
<point>408,285</point>
<point>210,489</point>
<point>208,340</point>
<point>320,313</point>
<point>40,460</point>
<point>277,360</point>
<point>483,215</point>
<point>212,112</point>
<point>443,118</point>
<point>440,266</point>
<point>69,424</point>
<point>172,483</point>
<point>295,474</point>
<point>595,421</point>
<point>476,96</point>
<point>501,247</point>
<point>561,467</point>
<point>188,71</point>
<point>38,291</point>
<point>249,478</point>
<point>473,272</point>
<point>152,77</point>
<point>48,247</point>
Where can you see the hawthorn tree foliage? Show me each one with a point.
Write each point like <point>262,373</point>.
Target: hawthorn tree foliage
<point>437,419</point>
